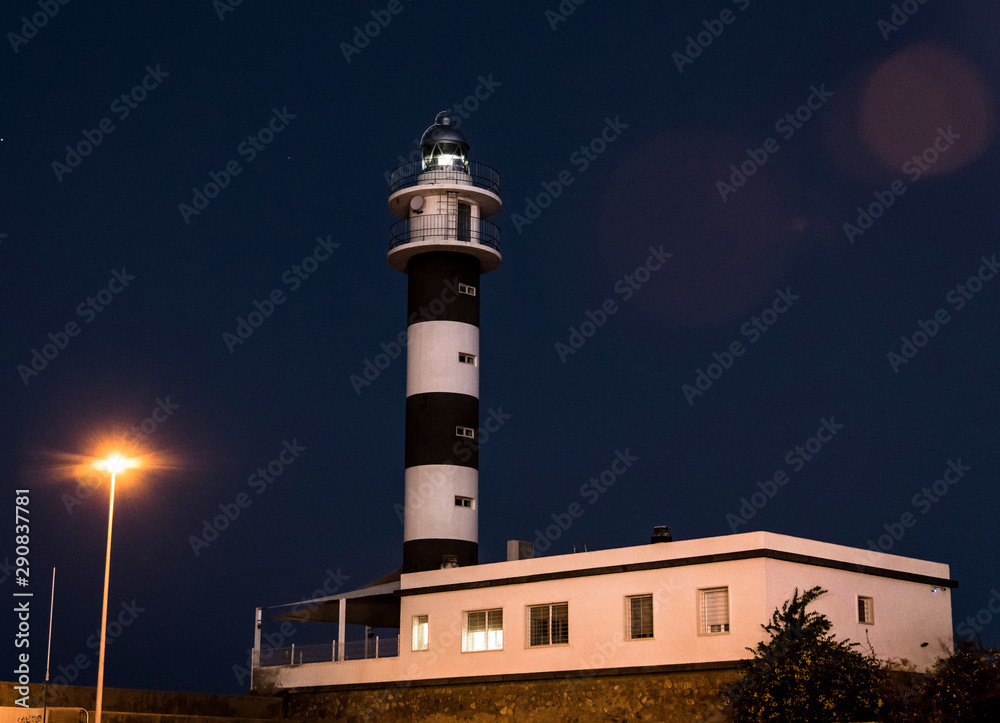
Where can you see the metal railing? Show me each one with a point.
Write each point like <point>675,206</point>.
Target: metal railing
<point>376,647</point>
<point>446,226</point>
<point>478,174</point>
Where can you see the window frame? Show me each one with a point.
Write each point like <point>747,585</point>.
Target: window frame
<point>419,620</point>
<point>490,616</point>
<point>471,359</point>
<point>461,499</point>
<point>551,621</point>
<point>628,617</point>
<point>467,289</point>
<point>868,611</point>
<point>704,626</point>
<point>460,431</point>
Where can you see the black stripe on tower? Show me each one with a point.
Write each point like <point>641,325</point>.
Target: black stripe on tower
<point>421,555</point>
<point>432,288</point>
<point>431,419</point>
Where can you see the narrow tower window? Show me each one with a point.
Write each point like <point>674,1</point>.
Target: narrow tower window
<point>464,230</point>
<point>467,358</point>
<point>466,289</point>
<point>463,501</point>
<point>465,432</point>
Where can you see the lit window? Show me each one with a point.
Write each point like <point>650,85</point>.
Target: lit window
<point>640,616</point>
<point>467,358</point>
<point>463,501</point>
<point>483,630</point>
<point>466,289</point>
<point>420,632</point>
<point>714,604</point>
<point>866,610</point>
<point>465,432</point>
<point>548,624</point>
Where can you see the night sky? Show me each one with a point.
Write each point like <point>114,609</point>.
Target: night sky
<point>678,287</point>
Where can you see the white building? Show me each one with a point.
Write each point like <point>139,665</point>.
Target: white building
<point>658,607</point>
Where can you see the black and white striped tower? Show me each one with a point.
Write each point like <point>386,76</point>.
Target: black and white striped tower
<point>443,244</point>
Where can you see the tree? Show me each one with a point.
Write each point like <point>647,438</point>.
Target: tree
<point>803,674</point>
<point>961,688</point>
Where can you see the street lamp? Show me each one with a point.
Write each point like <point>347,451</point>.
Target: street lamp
<point>113,464</point>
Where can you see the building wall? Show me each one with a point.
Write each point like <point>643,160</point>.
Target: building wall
<point>907,613</point>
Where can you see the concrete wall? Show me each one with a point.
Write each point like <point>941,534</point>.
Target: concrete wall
<point>125,706</point>
<point>907,613</point>
<point>676,697</point>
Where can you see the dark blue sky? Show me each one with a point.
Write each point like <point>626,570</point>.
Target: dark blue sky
<point>861,98</point>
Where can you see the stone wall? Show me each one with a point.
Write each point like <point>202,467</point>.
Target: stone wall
<point>664,697</point>
<point>149,706</point>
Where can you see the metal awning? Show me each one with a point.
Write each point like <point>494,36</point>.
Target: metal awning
<point>375,604</point>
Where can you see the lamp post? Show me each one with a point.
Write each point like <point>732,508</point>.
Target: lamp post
<point>113,464</point>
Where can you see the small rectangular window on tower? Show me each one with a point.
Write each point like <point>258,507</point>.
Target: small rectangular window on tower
<point>463,501</point>
<point>466,289</point>
<point>467,358</point>
<point>465,432</point>
<point>866,610</point>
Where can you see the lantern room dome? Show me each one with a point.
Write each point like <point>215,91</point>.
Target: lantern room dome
<point>444,130</point>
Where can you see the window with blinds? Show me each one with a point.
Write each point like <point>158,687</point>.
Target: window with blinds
<point>420,632</point>
<point>548,624</point>
<point>714,610</point>
<point>640,616</point>
<point>483,630</point>
<point>866,610</point>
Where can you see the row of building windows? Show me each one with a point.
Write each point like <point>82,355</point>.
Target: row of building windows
<point>549,624</point>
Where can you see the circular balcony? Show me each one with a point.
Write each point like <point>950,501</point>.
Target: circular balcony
<point>443,232</point>
<point>474,179</point>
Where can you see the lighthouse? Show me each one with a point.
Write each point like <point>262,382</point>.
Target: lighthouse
<point>443,242</point>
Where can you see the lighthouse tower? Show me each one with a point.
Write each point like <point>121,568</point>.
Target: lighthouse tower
<point>443,244</point>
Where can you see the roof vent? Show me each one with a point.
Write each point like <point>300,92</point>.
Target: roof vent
<point>661,533</point>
